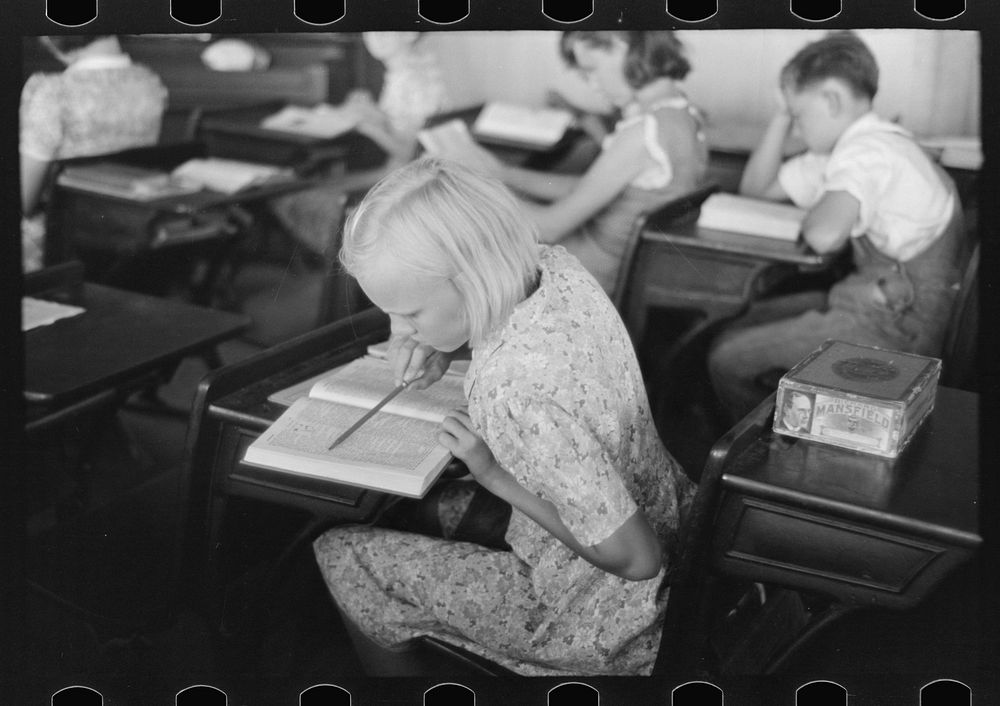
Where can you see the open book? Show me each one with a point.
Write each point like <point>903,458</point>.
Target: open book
<point>396,451</point>
<point>956,152</point>
<point>446,138</point>
<point>229,175</point>
<point>322,120</point>
<point>743,214</point>
<point>507,123</point>
<point>125,181</point>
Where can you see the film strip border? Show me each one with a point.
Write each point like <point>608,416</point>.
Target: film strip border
<point>466,14</point>
<point>85,16</point>
<point>945,692</point>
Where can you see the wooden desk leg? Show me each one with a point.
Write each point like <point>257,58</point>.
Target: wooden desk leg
<point>814,627</point>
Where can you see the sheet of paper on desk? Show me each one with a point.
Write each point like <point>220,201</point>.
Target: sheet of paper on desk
<point>742,214</point>
<point>323,120</point>
<point>229,175</point>
<point>539,126</point>
<point>39,312</point>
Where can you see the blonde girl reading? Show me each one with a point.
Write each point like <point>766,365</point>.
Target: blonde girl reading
<point>557,425</point>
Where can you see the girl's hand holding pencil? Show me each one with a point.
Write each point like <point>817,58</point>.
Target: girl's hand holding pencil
<point>411,360</point>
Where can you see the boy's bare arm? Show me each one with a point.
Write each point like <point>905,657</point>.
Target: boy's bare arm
<point>828,224</point>
<point>760,176</point>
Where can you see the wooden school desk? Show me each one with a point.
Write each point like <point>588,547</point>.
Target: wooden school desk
<point>230,410</point>
<point>236,133</point>
<point>867,530</point>
<point>113,233</point>
<point>121,341</point>
<point>716,274</point>
<point>860,530</point>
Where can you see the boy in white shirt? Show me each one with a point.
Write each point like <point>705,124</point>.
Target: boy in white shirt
<point>866,182</point>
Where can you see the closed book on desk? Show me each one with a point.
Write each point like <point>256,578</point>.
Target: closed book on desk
<point>521,126</point>
<point>742,214</point>
<point>396,451</point>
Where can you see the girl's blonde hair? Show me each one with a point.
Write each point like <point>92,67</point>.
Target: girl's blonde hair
<point>440,219</point>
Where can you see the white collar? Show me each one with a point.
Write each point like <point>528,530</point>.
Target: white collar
<point>100,61</point>
<point>870,122</point>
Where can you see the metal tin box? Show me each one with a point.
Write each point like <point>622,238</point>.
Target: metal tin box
<point>857,397</point>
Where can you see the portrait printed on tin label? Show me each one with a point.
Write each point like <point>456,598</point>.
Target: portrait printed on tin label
<point>797,412</point>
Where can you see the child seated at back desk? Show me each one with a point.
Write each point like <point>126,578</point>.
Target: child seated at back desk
<point>657,151</point>
<point>412,91</point>
<point>863,181</point>
<point>101,103</point>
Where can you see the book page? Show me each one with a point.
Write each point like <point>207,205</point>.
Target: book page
<point>388,452</point>
<point>377,351</point>
<point>365,381</point>
<point>310,426</point>
<point>450,137</point>
<point>742,214</point>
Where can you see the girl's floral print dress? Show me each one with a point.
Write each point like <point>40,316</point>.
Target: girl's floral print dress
<point>557,395</point>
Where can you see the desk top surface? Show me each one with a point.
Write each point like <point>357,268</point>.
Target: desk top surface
<point>931,487</point>
<point>693,235</point>
<point>246,120</point>
<point>121,335</point>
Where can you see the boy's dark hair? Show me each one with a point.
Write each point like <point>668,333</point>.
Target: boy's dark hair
<point>651,55</point>
<point>70,42</point>
<point>840,55</point>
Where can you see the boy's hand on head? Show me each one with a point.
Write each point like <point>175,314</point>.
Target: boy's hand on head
<point>781,102</point>
<point>458,437</point>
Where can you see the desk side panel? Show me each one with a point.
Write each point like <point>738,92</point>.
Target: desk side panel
<point>851,561</point>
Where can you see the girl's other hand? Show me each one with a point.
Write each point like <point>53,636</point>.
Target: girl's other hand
<point>411,360</point>
<point>457,436</point>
